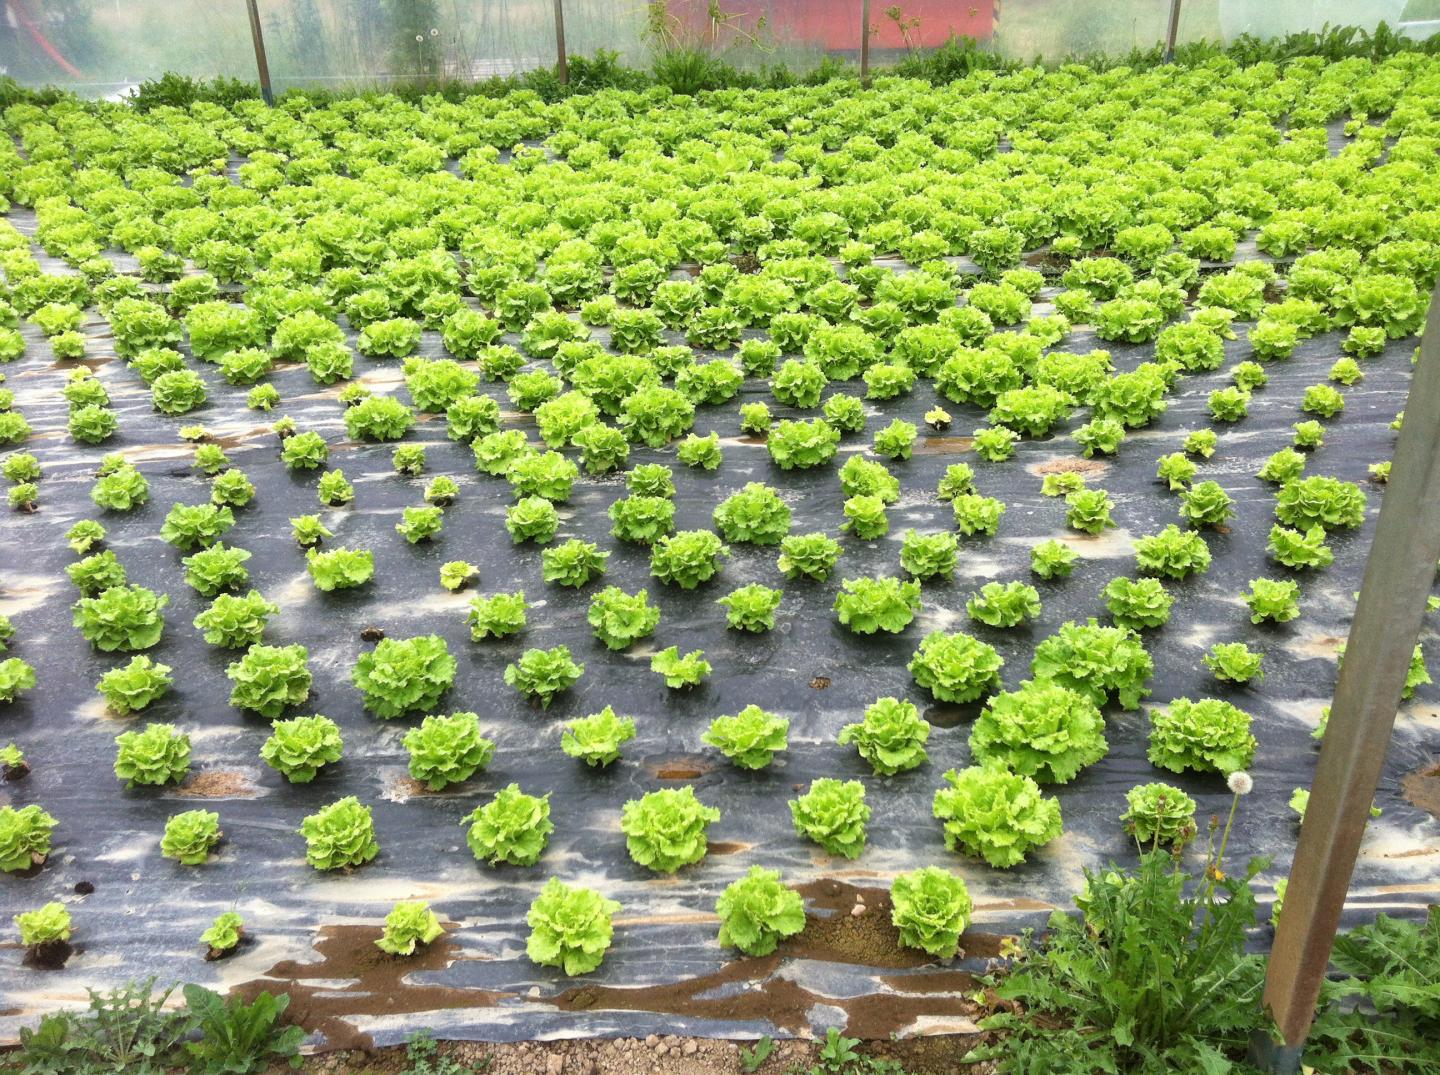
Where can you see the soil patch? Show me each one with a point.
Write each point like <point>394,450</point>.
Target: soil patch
<point>1422,788</point>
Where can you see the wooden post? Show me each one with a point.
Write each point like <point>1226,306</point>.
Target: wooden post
<point>865,42</point>
<point>1173,32</point>
<point>562,63</point>
<point>261,63</point>
<point>1399,573</point>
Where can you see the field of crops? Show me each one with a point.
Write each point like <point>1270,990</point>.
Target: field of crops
<point>737,553</point>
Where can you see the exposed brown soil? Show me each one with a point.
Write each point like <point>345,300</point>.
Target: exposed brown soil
<point>943,445</point>
<point>52,955</point>
<point>845,923</point>
<point>1079,464</point>
<point>654,1055</point>
<point>376,984</point>
<point>1422,788</point>
<point>679,767</point>
<point>217,784</point>
<point>17,772</point>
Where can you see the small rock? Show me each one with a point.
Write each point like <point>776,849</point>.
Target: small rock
<point>534,991</point>
<point>554,1064</point>
<point>690,1048</point>
<point>857,910</point>
<point>651,1040</point>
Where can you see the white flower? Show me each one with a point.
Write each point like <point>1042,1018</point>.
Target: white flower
<point>419,37</point>
<point>1240,782</point>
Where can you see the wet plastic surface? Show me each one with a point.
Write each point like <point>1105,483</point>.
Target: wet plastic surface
<point>146,913</point>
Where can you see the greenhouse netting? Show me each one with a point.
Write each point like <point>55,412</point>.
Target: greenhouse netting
<point>104,47</point>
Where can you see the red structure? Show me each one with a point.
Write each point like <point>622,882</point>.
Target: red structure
<point>834,25</point>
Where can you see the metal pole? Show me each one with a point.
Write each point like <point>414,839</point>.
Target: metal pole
<point>562,64</point>
<point>865,42</point>
<point>261,63</point>
<point>1173,31</point>
<point>1398,576</point>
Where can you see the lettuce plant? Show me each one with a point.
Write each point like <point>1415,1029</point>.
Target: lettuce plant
<point>267,679</point>
<point>340,836</point>
<point>1323,400</point>
<point>1042,730</point>
<point>409,925</point>
<point>123,618</point>
<point>340,568</point>
<point>1322,501</point>
<point>497,615</point>
<point>570,927</point>
<point>236,622</point>
<point>976,514</point>
<point>1102,436</point>
<point>1053,559</point>
<point>92,425</point>
<point>1206,504</point>
<point>573,563</point>
<point>955,667</point>
<point>1234,662</point>
<point>15,676</point>
<point>928,556</point>
<point>995,814</point>
<point>751,608</point>
<point>995,444</point>
<point>865,477</point>
<point>687,558</point>
<point>833,813</point>
<point>642,519</point>
<point>867,605</point>
<point>1138,604</point>
<point>757,912</point>
<point>1096,661</point>
<point>891,737</point>
<point>46,925</point>
<point>619,618</point>
<point>543,673</point>
<point>896,440</point>
<point>156,755</point>
<point>420,523</point>
<point>755,418</point>
<point>24,837</point>
<point>802,445</point>
<point>1172,553</point>
<point>134,686</point>
<point>844,413</point>
<point>865,517</point>
<point>1275,600</point>
<point>97,573</point>
<point>655,416</point>
<point>931,908</point>
<point>532,518</point>
<point>404,675</point>
<point>1208,735</point>
<point>512,828</point>
<point>121,488</point>
<point>596,739</point>
<point>1004,604</point>
<point>680,672</point>
<point>702,452</point>
<point>1088,511</point>
<point>378,418</point>
<point>178,392</point>
<point>194,526</point>
<point>543,474</point>
<point>665,829</point>
<point>1285,465</point>
<point>798,383</point>
<point>1159,815</point>
<point>216,569</point>
<point>496,453</point>
<point>755,514</point>
<point>301,746</point>
<point>1311,435</point>
<point>1229,404</point>
<point>750,738</point>
<point>447,750</point>
<point>190,836</point>
<point>1298,549</point>
<point>84,536</point>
